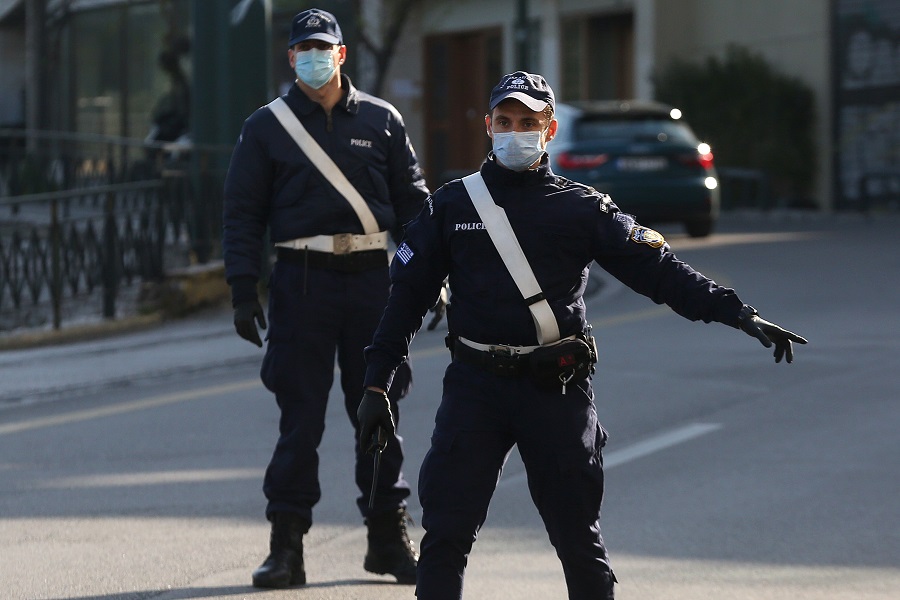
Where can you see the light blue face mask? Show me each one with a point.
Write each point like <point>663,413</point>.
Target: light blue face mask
<point>518,150</point>
<point>314,67</point>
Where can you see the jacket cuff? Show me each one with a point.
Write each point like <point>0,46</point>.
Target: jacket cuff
<point>243,289</point>
<point>379,373</point>
<point>730,310</point>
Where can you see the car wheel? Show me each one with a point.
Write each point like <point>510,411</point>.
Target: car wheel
<point>699,227</point>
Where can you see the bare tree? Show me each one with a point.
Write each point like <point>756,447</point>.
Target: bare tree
<point>394,14</point>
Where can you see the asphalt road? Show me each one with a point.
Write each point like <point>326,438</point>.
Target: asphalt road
<point>131,467</point>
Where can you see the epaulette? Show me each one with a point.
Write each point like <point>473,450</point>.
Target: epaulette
<point>605,202</point>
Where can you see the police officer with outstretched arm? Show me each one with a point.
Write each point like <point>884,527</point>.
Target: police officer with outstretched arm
<point>329,171</point>
<point>509,383</point>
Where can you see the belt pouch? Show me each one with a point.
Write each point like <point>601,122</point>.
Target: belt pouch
<point>549,366</point>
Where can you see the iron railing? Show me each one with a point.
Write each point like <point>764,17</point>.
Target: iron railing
<point>84,219</point>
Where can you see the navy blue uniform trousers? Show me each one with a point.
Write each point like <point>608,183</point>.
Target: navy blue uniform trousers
<point>559,438</point>
<point>313,314</point>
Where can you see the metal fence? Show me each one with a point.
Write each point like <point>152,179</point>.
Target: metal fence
<point>83,219</point>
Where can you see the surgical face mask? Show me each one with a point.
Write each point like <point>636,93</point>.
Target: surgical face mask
<point>518,150</point>
<point>314,67</point>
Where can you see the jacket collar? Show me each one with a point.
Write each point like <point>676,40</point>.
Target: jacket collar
<point>349,100</point>
<point>492,172</point>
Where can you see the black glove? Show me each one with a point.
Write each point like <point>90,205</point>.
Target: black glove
<point>374,414</point>
<point>440,307</point>
<point>769,333</point>
<point>246,316</point>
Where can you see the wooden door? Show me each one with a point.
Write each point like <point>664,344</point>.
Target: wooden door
<point>460,71</point>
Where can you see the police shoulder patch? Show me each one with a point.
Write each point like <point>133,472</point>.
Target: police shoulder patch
<point>645,235</point>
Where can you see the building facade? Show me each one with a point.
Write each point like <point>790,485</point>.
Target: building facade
<point>593,49</point>
<point>106,71</point>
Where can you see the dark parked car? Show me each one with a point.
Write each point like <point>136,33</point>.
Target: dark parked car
<point>644,156</point>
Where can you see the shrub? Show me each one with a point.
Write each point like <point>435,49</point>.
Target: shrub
<point>753,117</point>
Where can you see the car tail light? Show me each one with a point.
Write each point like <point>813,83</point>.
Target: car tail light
<point>567,160</point>
<point>704,160</point>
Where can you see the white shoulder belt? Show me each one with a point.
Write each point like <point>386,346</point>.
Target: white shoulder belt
<point>498,227</point>
<point>323,163</point>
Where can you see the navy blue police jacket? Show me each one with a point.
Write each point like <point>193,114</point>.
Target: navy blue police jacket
<point>562,227</point>
<point>271,183</point>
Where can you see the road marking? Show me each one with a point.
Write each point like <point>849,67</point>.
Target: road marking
<point>640,449</point>
<point>638,315</point>
<point>679,243</point>
<point>106,411</point>
<point>657,443</point>
<point>152,478</point>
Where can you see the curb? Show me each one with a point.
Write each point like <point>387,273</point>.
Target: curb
<point>80,333</point>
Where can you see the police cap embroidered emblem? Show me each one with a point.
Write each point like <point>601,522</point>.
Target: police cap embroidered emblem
<point>645,235</point>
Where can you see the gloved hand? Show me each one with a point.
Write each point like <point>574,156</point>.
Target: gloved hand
<point>374,414</point>
<point>440,307</point>
<point>246,317</point>
<point>769,333</point>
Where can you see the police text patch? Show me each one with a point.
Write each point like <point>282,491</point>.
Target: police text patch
<point>645,235</point>
<point>404,253</point>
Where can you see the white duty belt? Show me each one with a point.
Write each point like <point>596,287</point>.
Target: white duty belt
<point>498,227</point>
<point>341,243</point>
<point>505,350</point>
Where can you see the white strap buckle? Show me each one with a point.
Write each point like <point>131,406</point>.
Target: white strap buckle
<point>342,243</point>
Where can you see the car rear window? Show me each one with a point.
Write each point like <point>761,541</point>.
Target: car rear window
<point>626,131</point>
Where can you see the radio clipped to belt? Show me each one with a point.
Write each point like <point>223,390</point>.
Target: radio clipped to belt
<point>555,362</point>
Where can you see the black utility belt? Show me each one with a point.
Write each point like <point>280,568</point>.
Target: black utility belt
<point>354,262</point>
<point>549,366</point>
<point>510,365</point>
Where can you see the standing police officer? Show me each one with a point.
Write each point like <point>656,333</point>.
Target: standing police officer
<point>329,285</point>
<point>496,391</point>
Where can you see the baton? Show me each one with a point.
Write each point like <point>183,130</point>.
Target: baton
<point>379,441</point>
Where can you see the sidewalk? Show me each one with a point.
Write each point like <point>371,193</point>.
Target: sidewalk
<point>204,340</point>
<point>191,329</point>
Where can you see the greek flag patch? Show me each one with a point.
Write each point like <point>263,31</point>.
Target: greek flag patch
<point>404,253</point>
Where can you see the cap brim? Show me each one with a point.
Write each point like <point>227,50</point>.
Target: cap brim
<point>325,37</point>
<point>532,103</point>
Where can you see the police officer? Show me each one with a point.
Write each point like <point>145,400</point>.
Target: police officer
<point>328,286</point>
<point>494,394</point>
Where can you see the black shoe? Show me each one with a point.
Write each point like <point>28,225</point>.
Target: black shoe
<point>284,566</point>
<point>390,550</point>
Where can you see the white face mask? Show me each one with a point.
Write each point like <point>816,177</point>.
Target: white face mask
<point>314,67</point>
<point>518,150</point>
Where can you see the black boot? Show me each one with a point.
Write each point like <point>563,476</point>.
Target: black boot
<point>284,565</point>
<point>390,550</point>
